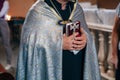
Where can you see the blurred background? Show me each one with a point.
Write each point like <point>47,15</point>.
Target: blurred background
<point>20,7</point>
<point>99,15</point>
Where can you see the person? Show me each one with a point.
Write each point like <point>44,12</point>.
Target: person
<point>5,32</point>
<point>47,53</point>
<point>115,43</point>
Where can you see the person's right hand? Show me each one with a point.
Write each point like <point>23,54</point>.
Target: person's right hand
<point>114,60</point>
<point>68,41</point>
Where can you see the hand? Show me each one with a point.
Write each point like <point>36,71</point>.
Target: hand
<point>75,43</point>
<point>80,41</point>
<point>114,60</point>
<point>68,41</point>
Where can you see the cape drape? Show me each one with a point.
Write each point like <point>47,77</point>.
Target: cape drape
<point>40,56</point>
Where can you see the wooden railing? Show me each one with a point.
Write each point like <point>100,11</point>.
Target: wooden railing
<point>102,36</point>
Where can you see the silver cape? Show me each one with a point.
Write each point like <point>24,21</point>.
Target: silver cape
<point>40,56</point>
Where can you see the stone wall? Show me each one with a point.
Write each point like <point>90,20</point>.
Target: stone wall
<point>92,1</point>
<point>108,4</point>
<point>19,7</point>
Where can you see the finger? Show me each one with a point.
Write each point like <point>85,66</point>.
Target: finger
<point>71,47</point>
<point>80,42</point>
<point>79,38</point>
<point>111,60</point>
<point>73,35</point>
<point>82,31</point>
<point>82,37</point>
<point>64,35</point>
<point>80,47</point>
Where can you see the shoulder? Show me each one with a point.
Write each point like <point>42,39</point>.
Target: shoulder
<point>38,4</point>
<point>37,9</point>
<point>78,7</point>
<point>118,10</point>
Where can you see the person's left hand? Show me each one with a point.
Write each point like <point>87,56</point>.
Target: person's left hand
<point>114,60</point>
<point>81,41</point>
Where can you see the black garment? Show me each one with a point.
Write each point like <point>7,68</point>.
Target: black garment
<point>117,77</point>
<point>63,13</point>
<point>6,76</point>
<point>72,65</point>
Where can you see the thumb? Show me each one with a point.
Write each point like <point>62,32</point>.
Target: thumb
<point>73,35</point>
